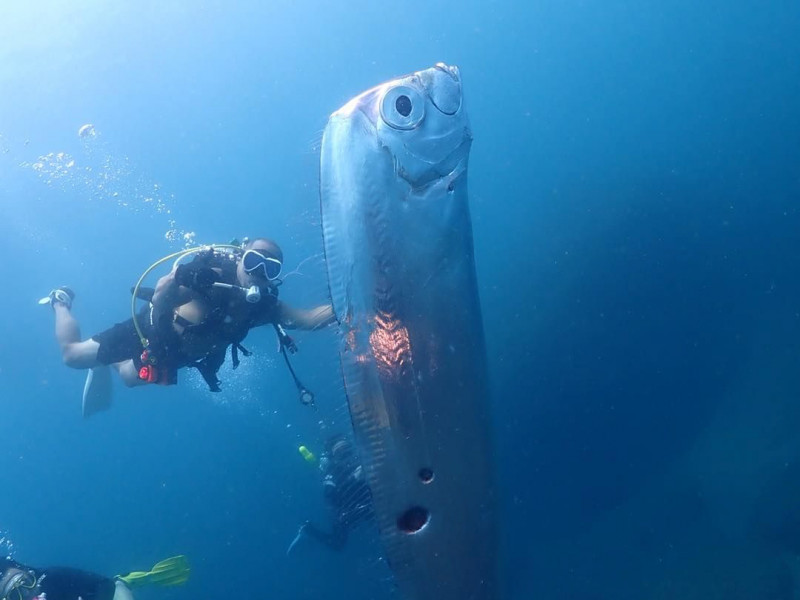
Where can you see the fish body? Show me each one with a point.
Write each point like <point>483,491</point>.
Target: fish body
<point>399,252</point>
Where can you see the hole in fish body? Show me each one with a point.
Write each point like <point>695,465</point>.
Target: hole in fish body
<point>414,520</point>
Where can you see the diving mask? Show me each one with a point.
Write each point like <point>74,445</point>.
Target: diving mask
<point>259,262</point>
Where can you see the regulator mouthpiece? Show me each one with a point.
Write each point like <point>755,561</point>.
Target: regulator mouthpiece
<point>253,294</point>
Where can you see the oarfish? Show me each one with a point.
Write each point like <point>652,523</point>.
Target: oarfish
<point>399,253</point>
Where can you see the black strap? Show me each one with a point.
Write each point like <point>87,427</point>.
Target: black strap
<point>306,395</point>
<point>209,366</point>
<point>144,293</point>
<point>208,373</point>
<point>183,321</point>
<point>236,347</point>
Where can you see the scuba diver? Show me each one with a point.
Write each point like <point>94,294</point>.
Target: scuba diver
<point>21,582</point>
<point>345,491</point>
<point>194,314</point>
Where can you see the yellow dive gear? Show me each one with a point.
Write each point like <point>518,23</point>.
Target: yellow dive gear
<point>307,454</point>
<point>170,571</point>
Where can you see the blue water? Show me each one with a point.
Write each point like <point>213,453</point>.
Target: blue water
<point>635,184</point>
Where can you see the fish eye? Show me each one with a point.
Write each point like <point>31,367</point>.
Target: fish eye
<point>402,107</point>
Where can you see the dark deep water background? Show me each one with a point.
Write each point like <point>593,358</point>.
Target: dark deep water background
<point>635,184</point>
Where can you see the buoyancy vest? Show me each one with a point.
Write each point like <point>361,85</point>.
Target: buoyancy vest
<point>228,320</point>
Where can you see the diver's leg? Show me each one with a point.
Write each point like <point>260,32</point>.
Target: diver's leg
<point>121,591</point>
<point>66,582</point>
<point>74,352</point>
<point>128,373</point>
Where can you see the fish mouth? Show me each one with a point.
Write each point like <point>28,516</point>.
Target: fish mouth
<point>427,173</point>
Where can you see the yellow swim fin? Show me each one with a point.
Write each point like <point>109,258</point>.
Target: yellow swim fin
<point>170,571</point>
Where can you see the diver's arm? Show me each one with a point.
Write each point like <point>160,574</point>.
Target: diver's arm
<point>169,295</point>
<point>296,318</point>
<point>183,283</point>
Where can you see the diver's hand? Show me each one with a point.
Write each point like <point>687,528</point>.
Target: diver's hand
<point>196,277</point>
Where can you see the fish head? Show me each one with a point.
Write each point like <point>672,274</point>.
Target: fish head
<point>420,121</point>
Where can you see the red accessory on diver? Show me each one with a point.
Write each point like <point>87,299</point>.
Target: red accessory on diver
<point>148,372</point>
<point>147,358</point>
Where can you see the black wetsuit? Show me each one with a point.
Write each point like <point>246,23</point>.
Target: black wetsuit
<point>121,342</point>
<point>345,492</point>
<point>58,583</point>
